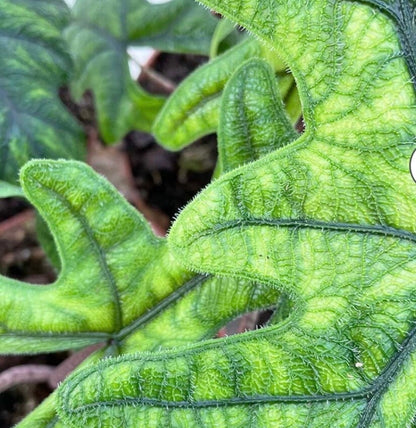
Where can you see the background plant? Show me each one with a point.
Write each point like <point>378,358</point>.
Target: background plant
<point>38,60</point>
<point>100,34</point>
<point>34,123</point>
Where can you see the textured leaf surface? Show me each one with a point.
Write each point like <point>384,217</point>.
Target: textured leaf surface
<point>33,121</point>
<point>99,37</point>
<point>45,238</point>
<point>118,284</point>
<point>329,220</point>
<point>45,416</point>
<point>114,270</point>
<point>252,121</point>
<point>192,111</point>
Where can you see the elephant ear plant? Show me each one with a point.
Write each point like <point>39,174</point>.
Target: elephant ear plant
<point>143,298</point>
<point>119,284</point>
<point>323,222</point>
<point>46,46</point>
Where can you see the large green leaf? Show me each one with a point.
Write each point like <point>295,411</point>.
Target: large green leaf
<point>34,64</point>
<point>118,284</point>
<point>192,111</point>
<point>329,219</point>
<point>114,270</point>
<point>186,315</point>
<point>99,35</point>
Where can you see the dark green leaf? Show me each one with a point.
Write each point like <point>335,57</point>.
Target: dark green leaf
<point>34,64</point>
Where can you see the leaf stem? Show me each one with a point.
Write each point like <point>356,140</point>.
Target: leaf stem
<point>28,373</point>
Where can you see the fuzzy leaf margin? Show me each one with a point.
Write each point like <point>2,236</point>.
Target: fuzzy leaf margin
<point>119,284</point>
<point>193,109</point>
<point>253,121</point>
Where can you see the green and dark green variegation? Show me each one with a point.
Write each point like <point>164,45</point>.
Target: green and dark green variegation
<point>98,37</point>
<point>193,110</point>
<point>34,64</point>
<point>328,219</point>
<point>253,120</point>
<point>119,284</point>
<point>167,305</point>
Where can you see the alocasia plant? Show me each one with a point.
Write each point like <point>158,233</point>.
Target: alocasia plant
<point>99,36</point>
<point>328,219</point>
<point>171,305</point>
<point>129,292</point>
<point>323,221</point>
<point>176,306</point>
<point>34,64</point>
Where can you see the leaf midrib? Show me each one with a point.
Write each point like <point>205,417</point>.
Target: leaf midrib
<point>120,333</point>
<point>307,223</point>
<point>128,329</point>
<point>100,254</point>
<point>163,304</point>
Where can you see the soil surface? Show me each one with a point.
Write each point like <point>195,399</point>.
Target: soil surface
<point>11,206</point>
